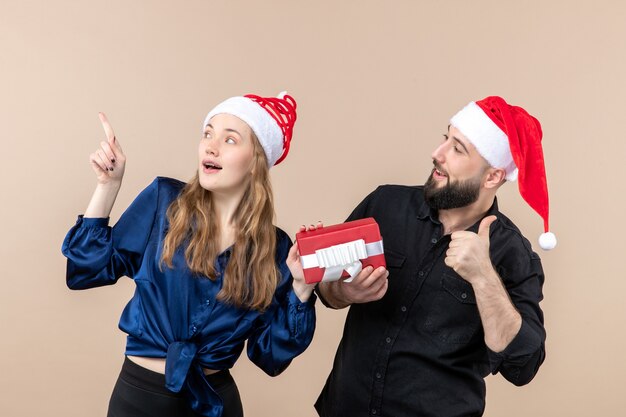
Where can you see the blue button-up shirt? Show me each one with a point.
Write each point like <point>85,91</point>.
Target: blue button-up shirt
<point>175,314</point>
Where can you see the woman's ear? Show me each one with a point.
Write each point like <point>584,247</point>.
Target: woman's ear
<point>494,177</point>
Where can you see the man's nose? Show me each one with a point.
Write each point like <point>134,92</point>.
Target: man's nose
<point>438,153</point>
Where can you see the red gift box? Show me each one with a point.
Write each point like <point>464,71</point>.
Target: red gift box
<point>342,250</point>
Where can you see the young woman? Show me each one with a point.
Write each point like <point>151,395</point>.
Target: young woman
<point>210,268</point>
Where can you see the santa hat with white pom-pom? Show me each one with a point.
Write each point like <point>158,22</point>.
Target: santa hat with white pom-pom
<point>510,138</point>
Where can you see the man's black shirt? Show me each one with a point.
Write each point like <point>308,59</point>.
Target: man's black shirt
<point>420,350</point>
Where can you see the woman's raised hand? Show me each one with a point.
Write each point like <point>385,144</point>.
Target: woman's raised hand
<point>108,161</point>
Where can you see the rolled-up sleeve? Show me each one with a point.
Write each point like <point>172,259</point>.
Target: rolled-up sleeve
<point>521,359</point>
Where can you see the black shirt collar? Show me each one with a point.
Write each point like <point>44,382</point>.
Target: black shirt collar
<point>425,211</point>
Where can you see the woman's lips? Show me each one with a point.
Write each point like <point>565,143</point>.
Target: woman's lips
<point>210,167</point>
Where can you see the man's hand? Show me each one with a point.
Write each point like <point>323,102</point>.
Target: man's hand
<point>468,252</point>
<point>369,285</point>
<point>468,255</point>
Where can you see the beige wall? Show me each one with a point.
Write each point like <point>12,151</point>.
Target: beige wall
<point>376,82</point>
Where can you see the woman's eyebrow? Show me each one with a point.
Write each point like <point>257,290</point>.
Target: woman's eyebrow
<point>233,130</point>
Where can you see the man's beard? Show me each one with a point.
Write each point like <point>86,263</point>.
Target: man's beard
<point>453,194</point>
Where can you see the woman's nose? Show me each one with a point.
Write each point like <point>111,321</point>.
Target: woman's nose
<point>211,148</point>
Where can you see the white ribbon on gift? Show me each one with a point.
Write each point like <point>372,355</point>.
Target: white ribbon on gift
<point>344,257</point>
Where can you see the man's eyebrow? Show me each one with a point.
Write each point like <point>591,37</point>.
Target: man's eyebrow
<point>461,143</point>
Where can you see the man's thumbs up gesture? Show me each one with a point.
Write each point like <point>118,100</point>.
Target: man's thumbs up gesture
<point>468,252</point>
<point>468,255</point>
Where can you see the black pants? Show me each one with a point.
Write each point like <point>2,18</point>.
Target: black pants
<point>140,392</point>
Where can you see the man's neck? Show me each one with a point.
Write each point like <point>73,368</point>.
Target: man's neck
<point>454,220</point>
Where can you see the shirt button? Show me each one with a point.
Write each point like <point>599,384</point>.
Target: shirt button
<point>208,302</point>
<point>373,412</point>
<point>464,295</point>
<point>403,309</point>
<point>433,240</point>
<point>378,375</point>
<point>388,340</point>
<point>193,329</point>
<point>421,274</point>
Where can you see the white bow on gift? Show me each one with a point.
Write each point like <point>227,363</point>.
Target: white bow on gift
<point>344,257</point>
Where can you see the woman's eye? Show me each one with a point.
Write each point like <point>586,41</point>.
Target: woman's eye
<point>230,140</point>
<point>457,150</point>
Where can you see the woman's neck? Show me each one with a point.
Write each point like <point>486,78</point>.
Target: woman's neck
<point>225,206</point>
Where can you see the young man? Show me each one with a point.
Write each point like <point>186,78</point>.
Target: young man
<point>460,296</point>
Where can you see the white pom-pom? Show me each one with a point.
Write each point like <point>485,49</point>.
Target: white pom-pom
<point>282,94</point>
<point>547,241</point>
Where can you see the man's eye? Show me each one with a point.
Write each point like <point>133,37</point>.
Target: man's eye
<point>445,137</point>
<point>456,149</point>
<point>207,134</point>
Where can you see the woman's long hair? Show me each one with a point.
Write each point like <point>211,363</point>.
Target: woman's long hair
<point>251,276</point>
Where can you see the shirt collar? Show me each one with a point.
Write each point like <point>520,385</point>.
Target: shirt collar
<point>493,210</point>
<point>425,211</point>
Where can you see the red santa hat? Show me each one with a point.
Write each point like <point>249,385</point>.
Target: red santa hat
<point>270,118</point>
<point>510,138</point>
